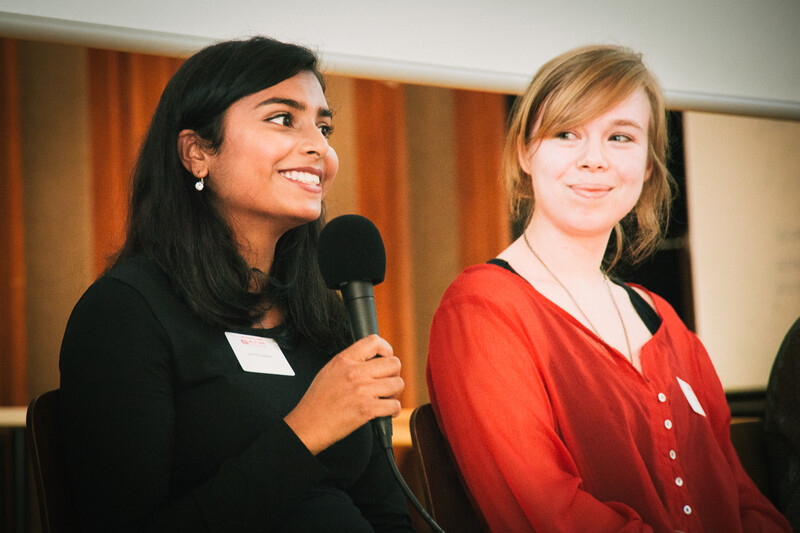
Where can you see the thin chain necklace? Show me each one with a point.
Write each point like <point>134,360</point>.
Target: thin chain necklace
<point>575,302</point>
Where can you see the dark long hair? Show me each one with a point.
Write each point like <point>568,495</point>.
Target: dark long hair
<point>180,229</point>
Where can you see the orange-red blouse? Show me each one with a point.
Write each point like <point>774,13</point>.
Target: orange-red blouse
<point>554,430</point>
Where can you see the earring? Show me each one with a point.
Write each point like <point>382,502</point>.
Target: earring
<point>201,183</point>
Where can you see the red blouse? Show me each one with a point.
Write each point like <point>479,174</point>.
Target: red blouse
<point>554,430</point>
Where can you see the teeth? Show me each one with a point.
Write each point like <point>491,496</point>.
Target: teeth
<point>302,177</point>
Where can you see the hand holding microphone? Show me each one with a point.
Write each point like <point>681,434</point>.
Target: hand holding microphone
<point>355,386</point>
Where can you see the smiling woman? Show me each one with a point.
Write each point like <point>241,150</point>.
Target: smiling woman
<point>573,402</point>
<point>208,377</point>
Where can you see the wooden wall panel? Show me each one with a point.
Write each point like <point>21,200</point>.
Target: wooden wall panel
<point>124,91</point>
<point>13,364</point>
<point>434,208</point>
<point>383,197</point>
<point>342,198</point>
<point>479,123</point>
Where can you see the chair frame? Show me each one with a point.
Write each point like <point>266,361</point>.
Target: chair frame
<point>49,471</point>
<point>445,496</point>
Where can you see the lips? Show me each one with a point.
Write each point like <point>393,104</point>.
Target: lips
<point>308,177</point>
<point>590,190</point>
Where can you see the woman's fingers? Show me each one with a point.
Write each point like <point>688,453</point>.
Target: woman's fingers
<point>360,383</point>
<point>367,348</point>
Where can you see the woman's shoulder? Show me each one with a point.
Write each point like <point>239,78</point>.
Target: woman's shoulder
<point>114,293</point>
<point>485,284</point>
<point>485,278</point>
<point>138,272</point>
<point>661,306</point>
<point>131,289</point>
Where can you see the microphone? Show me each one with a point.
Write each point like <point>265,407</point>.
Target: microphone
<point>352,259</point>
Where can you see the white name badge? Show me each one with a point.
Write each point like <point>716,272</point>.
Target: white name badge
<point>259,354</point>
<point>690,396</point>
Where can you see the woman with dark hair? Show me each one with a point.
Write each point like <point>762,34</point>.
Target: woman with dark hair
<point>574,402</point>
<point>209,381</point>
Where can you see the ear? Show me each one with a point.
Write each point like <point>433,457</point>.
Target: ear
<point>192,153</point>
<point>648,171</point>
<point>524,158</point>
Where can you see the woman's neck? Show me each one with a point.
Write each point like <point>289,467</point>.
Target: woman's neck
<point>569,257</point>
<point>257,247</point>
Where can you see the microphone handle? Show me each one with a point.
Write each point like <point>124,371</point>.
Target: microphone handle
<point>359,301</point>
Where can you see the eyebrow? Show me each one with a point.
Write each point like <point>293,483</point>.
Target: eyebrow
<point>294,104</point>
<point>625,122</point>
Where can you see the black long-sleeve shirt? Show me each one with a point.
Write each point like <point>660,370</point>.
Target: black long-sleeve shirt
<point>164,430</point>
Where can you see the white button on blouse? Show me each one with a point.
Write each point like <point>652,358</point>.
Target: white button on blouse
<point>668,424</point>
<point>662,397</point>
<point>687,509</point>
<point>679,481</point>
<point>672,454</point>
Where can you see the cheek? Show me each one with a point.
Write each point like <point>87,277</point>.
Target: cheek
<point>635,169</point>
<point>331,165</point>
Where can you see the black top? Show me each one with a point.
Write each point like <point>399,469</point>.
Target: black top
<point>643,309</point>
<point>164,431</point>
<point>782,427</point>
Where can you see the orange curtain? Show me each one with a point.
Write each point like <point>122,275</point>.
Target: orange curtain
<point>479,124</point>
<point>13,363</point>
<point>124,89</point>
<point>383,197</point>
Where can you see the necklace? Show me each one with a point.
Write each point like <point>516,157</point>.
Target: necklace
<point>575,302</point>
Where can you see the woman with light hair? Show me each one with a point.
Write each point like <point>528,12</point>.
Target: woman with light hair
<point>571,400</point>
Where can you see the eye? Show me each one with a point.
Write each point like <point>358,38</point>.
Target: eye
<point>326,129</point>
<point>284,119</point>
<point>566,135</point>
<point>620,137</point>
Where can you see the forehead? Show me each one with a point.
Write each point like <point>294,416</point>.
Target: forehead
<point>601,107</point>
<point>303,90</point>
<point>635,107</point>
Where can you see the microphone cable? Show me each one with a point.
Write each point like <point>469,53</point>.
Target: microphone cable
<point>386,444</point>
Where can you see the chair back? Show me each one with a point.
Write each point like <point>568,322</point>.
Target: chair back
<point>747,437</point>
<point>49,472</point>
<point>446,499</point>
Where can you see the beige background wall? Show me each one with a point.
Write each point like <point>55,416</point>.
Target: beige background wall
<point>743,181</point>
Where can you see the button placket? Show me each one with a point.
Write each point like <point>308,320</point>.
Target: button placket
<point>672,454</point>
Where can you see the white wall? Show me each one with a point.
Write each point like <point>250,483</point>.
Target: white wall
<point>735,56</point>
<point>743,191</point>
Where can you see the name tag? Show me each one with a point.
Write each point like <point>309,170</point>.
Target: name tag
<point>259,354</point>
<point>690,396</point>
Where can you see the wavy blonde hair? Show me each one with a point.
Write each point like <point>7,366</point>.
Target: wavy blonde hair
<point>571,90</point>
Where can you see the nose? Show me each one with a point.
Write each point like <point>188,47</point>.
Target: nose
<point>314,142</point>
<point>593,156</point>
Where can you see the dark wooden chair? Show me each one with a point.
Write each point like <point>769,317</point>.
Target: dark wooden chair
<point>49,471</point>
<point>445,497</point>
<point>747,437</point>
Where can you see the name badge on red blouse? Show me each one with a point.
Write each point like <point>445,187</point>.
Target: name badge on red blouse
<point>259,354</point>
<point>691,397</point>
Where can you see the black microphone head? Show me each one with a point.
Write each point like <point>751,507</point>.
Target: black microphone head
<point>351,249</point>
